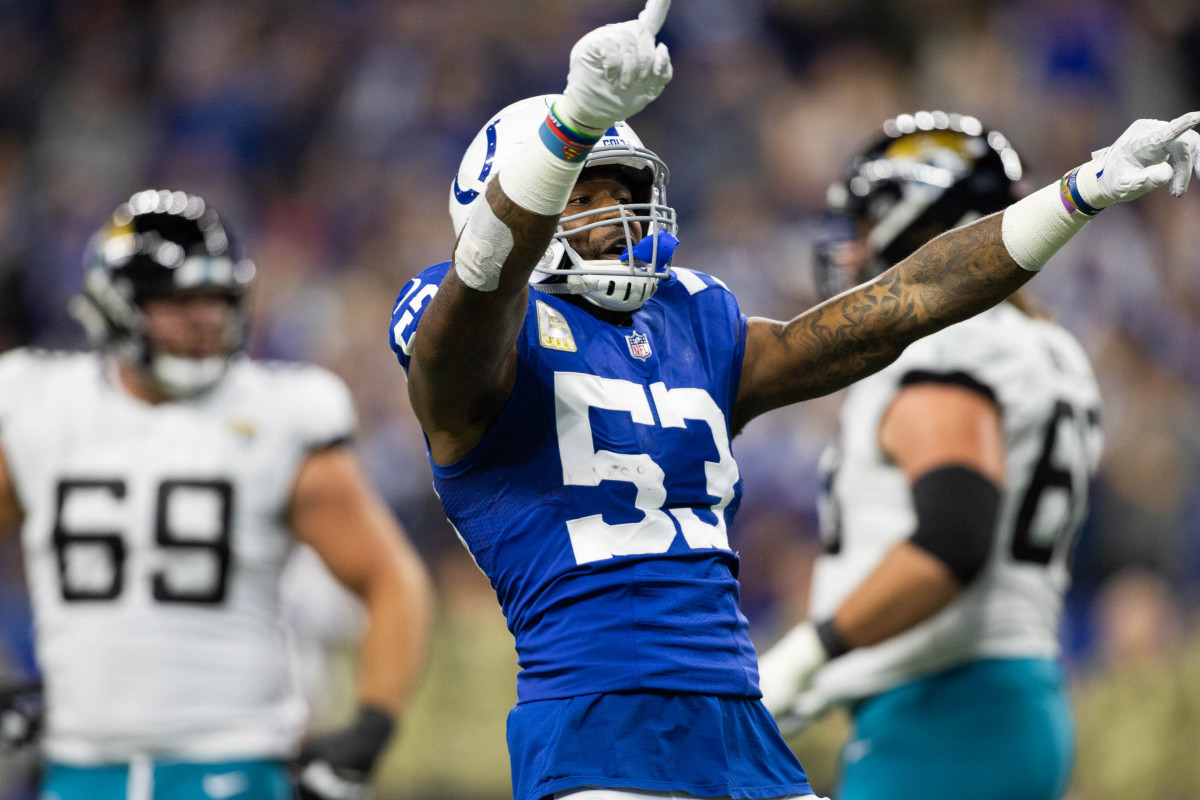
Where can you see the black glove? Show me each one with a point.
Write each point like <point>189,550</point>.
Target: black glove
<point>337,766</point>
<point>20,715</point>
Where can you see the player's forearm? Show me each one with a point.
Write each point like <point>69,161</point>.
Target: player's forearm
<point>396,641</point>
<point>908,587</point>
<point>955,276</point>
<point>462,364</point>
<point>466,327</point>
<point>463,360</point>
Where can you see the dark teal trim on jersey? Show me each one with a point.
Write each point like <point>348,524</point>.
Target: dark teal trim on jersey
<point>172,780</point>
<point>992,729</point>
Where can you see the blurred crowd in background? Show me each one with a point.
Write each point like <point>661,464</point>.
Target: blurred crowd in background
<point>327,133</point>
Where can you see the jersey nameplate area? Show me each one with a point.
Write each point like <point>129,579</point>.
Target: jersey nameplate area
<point>553,331</point>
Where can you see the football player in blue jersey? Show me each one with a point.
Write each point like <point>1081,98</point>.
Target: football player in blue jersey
<point>580,431</point>
<point>951,497</point>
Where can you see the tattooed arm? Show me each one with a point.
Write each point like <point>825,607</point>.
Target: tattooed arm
<point>953,277</point>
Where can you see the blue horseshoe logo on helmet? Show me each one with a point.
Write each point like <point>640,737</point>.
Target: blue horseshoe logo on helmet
<point>468,195</point>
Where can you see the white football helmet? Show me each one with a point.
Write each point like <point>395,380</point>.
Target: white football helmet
<point>622,285</point>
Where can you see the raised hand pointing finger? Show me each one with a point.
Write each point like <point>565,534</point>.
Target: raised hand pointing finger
<point>1176,127</point>
<point>616,70</point>
<point>654,14</point>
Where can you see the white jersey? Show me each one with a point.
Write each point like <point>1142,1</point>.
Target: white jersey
<point>1049,406</point>
<point>154,539</point>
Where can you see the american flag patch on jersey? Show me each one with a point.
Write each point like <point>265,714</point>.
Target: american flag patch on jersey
<point>639,345</point>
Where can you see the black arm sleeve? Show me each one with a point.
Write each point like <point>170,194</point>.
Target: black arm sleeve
<point>957,508</point>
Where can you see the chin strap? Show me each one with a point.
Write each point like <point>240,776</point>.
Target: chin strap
<point>654,251</point>
<point>187,377</point>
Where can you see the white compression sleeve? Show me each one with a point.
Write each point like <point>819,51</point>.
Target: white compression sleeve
<point>1035,227</point>
<point>537,180</point>
<point>542,172</point>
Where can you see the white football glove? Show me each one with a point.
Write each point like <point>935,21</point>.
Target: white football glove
<point>807,708</point>
<point>788,667</point>
<point>616,71</point>
<point>1148,154</point>
<point>21,711</point>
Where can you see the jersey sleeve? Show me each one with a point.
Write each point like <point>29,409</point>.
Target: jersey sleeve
<point>965,355</point>
<point>324,409</point>
<point>410,306</point>
<point>720,326</point>
<point>15,374</point>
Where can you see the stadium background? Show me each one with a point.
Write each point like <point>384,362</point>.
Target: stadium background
<point>327,132</point>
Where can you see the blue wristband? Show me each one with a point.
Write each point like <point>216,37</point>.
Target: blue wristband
<point>564,141</point>
<point>1074,201</point>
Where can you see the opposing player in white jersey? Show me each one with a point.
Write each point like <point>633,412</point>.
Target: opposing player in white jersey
<point>160,484</point>
<point>952,495</point>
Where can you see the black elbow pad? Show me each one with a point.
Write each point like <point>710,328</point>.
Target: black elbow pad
<point>957,509</point>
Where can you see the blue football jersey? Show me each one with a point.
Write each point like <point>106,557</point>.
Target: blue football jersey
<point>598,502</point>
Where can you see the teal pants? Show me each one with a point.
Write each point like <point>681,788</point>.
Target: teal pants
<point>989,730</point>
<point>169,780</point>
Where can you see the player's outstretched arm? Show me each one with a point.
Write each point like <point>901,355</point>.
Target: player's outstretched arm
<point>336,512</point>
<point>954,276</point>
<point>949,443</point>
<point>464,357</point>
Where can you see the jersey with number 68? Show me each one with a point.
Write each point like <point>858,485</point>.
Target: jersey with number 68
<point>1048,402</point>
<point>154,540</point>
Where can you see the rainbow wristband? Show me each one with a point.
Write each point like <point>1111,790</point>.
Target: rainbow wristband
<point>565,142</point>
<point>1072,200</point>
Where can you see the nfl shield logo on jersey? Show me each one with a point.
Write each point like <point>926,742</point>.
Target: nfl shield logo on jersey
<point>639,345</point>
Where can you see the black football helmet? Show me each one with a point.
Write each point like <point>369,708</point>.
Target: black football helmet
<point>161,244</point>
<point>927,173</point>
